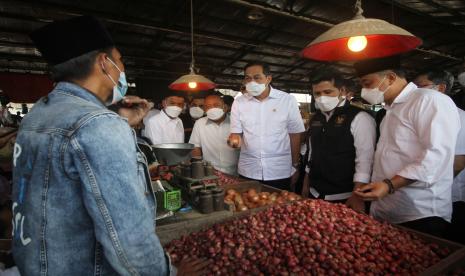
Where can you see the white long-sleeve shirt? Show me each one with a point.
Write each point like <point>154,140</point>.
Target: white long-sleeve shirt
<point>363,129</point>
<point>265,127</point>
<point>418,137</point>
<point>458,187</point>
<point>212,138</point>
<point>162,129</point>
<point>149,114</point>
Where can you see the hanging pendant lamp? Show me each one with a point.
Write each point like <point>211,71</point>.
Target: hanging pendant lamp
<point>192,81</point>
<point>360,38</point>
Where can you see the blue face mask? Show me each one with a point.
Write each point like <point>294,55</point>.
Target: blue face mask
<point>120,88</point>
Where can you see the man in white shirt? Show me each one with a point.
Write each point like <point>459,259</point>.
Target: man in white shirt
<point>165,126</point>
<point>341,143</point>
<point>151,113</point>
<point>196,111</point>
<point>412,172</point>
<point>266,124</point>
<point>210,136</point>
<point>442,81</point>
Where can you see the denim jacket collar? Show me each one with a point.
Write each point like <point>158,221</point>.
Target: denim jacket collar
<point>78,91</point>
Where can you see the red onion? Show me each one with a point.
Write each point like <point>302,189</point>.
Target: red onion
<point>308,237</point>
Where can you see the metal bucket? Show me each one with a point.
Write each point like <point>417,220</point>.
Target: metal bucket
<point>172,154</point>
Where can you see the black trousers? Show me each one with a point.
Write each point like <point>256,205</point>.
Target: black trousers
<point>456,230</point>
<point>343,201</point>
<point>435,226</point>
<point>282,184</point>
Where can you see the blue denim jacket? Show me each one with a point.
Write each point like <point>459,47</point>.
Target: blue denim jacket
<point>82,205</point>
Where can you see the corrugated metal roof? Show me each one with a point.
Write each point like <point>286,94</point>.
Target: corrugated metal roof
<point>154,35</point>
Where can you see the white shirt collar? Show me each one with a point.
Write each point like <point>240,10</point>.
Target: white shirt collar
<point>274,93</point>
<point>403,95</point>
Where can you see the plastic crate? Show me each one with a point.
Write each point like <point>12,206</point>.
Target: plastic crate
<point>172,200</point>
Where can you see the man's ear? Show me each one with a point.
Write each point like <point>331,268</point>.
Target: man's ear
<point>269,79</point>
<point>391,76</point>
<point>442,87</point>
<point>343,91</point>
<point>101,61</point>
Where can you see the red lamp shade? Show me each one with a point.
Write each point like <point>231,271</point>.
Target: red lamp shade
<point>192,82</point>
<point>361,39</point>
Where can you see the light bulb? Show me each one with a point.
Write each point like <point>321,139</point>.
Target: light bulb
<point>357,43</point>
<point>192,84</point>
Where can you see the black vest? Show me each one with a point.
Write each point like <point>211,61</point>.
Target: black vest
<point>332,163</point>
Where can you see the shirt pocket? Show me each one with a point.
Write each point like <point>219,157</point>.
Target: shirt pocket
<point>276,122</point>
<point>250,125</point>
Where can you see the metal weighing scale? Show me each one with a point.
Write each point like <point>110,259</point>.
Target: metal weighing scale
<point>174,158</point>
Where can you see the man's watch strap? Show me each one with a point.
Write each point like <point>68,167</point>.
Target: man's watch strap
<point>390,185</point>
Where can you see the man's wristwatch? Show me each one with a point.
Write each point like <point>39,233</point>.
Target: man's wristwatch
<point>390,185</point>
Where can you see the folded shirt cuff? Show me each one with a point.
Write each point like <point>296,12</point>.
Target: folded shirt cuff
<point>418,173</point>
<point>295,130</point>
<point>362,177</point>
<point>236,130</point>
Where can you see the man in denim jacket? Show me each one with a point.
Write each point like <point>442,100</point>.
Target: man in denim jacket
<point>82,202</point>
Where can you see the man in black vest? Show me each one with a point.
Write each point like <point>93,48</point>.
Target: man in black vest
<point>341,144</point>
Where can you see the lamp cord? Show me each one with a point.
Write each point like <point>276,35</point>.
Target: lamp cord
<point>192,38</point>
<point>358,9</point>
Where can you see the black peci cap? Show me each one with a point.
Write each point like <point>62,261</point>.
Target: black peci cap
<point>369,66</point>
<point>63,40</point>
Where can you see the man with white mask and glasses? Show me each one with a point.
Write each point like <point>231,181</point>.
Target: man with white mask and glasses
<point>341,144</point>
<point>196,111</point>
<point>210,136</point>
<point>266,125</point>
<point>442,81</point>
<point>166,126</point>
<point>412,173</point>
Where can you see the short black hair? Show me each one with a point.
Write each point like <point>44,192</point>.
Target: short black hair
<point>228,99</point>
<point>399,72</point>
<point>439,77</point>
<point>351,85</point>
<point>265,66</point>
<point>328,74</point>
<point>191,100</point>
<point>176,95</point>
<point>77,68</point>
<point>4,99</point>
<point>218,95</point>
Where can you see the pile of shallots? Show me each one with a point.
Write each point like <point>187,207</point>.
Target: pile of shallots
<point>308,237</point>
<point>252,199</point>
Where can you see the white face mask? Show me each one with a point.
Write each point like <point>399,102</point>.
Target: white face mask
<point>461,79</point>
<point>255,89</point>
<point>327,103</point>
<point>215,113</point>
<point>196,112</point>
<point>374,95</point>
<point>173,111</point>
